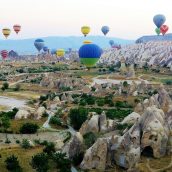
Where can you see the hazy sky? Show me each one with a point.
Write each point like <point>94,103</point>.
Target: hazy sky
<point>126,18</point>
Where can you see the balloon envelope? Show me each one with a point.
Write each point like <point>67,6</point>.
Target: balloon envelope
<point>6,32</point>
<point>39,44</point>
<point>53,51</point>
<point>159,20</point>
<point>4,54</point>
<point>164,29</point>
<point>45,49</point>
<point>17,28</point>
<point>60,52</point>
<point>105,29</point>
<point>85,30</point>
<point>158,31</point>
<point>111,42</point>
<point>87,42</point>
<point>89,54</point>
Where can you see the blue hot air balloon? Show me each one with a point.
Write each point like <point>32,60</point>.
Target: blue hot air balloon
<point>159,20</point>
<point>53,51</point>
<point>45,48</point>
<point>111,42</point>
<point>105,29</point>
<point>39,44</point>
<point>89,54</point>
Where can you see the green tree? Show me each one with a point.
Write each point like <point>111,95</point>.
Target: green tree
<point>49,148</point>
<point>5,86</point>
<point>17,87</point>
<point>62,162</point>
<point>39,162</point>
<point>12,164</point>
<point>29,128</point>
<point>78,117</point>
<point>25,144</point>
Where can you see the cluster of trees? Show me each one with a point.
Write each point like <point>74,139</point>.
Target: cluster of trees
<point>5,86</point>
<point>91,100</point>
<point>5,118</point>
<point>40,162</point>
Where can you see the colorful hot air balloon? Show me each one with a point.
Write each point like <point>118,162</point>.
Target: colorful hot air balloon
<point>4,54</point>
<point>39,44</point>
<point>111,42</point>
<point>105,29</point>
<point>17,28</point>
<point>85,30</point>
<point>89,54</point>
<point>159,20</point>
<point>45,48</point>
<point>164,29</point>
<point>87,42</point>
<point>158,31</point>
<point>6,32</point>
<point>60,52</point>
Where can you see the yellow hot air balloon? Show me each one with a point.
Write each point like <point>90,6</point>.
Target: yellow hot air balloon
<point>60,52</point>
<point>87,42</point>
<point>85,30</point>
<point>6,32</point>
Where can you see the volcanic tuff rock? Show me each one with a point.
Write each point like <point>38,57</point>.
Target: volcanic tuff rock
<point>151,131</point>
<point>154,53</point>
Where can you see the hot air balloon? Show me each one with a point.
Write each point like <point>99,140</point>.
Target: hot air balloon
<point>4,54</point>
<point>87,42</point>
<point>164,29</point>
<point>53,51</point>
<point>60,52</point>
<point>111,42</point>
<point>12,54</point>
<point>159,20</point>
<point>39,44</point>
<point>89,54</point>
<point>17,28</point>
<point>45,48</point>
<point>105,29</point>
<point>158,31</point>
<point>6,32</point>
<point>85,30</point>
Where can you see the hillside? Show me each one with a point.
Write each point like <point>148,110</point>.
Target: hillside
<point>144,39</point>
<point>26,46</point>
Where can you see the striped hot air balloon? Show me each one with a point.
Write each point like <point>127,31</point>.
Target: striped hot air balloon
<point>4,54</point>
<point>6,32</point>
<point>17,28</point>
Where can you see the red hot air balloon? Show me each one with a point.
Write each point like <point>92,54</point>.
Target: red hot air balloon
<point>164,29</point>
<point>4,54</point>
<point>17,28</point>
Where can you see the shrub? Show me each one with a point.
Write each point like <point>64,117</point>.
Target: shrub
<point>17,87</point>
<point>78,117</point>
<point>49,148</point>
<point>5,86</point>
<point>89,139</point>
<point>55,120</point>
<point>29,128</point>
<point>62,162</point>
<point>25,144</point>
<point>39,162</point>
<point>12,164</point>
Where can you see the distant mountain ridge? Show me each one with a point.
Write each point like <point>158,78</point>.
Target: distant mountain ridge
<point>26,46</point>
<point>144,39</point>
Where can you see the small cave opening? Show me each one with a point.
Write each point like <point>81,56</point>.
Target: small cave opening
<point>147,151</point>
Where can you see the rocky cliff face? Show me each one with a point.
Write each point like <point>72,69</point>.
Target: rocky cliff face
<point>151,131</point>
<point>152,52</point>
